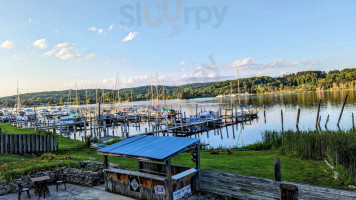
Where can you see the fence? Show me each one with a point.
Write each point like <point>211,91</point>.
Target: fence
<point>27,143</point>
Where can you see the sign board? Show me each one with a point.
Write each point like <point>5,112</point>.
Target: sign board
<point>134,184</point>
<point>178,194</point>
<point>159,189</point>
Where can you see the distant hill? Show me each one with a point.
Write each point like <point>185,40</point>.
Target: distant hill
<point>301,81</point>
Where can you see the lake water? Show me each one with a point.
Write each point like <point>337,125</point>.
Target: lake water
<point>331,104</point>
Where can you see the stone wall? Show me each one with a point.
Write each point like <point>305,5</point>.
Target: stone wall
<point>90,174</point>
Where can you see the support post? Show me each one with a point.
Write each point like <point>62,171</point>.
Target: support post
<point>282,119</point>
<point>198,165</point>
<point>288,192</point>
<point>169,179</point>
<point>317,114</point>
<point>106,163</point>
<point>298,115</point>
<point>342,110</point>
<point>277,170</point>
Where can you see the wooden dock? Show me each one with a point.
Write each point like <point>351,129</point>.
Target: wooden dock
<point>250,187</point>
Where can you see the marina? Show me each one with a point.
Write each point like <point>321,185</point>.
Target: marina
<point>219,122</point>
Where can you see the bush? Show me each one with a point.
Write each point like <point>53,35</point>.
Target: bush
<point>112,141</point>
<point>35,168</point>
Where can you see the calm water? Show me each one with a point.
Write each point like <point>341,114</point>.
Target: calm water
<point>251,132</point>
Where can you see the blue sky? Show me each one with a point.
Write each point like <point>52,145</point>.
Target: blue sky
<point>53,45</point>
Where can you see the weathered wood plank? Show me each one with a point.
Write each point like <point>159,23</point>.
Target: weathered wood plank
<point>229,182</point>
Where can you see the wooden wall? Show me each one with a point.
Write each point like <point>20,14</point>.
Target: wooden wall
<point>27,143</point>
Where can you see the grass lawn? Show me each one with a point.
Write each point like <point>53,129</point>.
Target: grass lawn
<point>9,129</point>
<point>254,163</point>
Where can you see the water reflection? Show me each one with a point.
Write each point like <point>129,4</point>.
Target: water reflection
<point>250,132</point>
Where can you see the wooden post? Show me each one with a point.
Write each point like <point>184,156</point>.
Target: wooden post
<point>288,191</point>
<point>169,179</point>
<point>353,121</point>
<point>298,115</point>
<point>2,143</point>
<point>326,122</point>
<point>282,118</point>
<point>264,113</point>
<point>106,163</point>
<point>342,110</point>
<point>277,170</point>
<point>15,142</point>
<point>11,143</point>
<point>198,165</point>
<point>20,143</point>
<point>317,114</point>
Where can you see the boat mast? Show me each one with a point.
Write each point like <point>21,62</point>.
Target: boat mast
<point>69,96</point>
<point>131,97</point>
<point>18,98</point>
<point>238,84</point>
<point>102,95</point>
<point>76,96</point>
<point>118,88</point>
<point>151,89</point>
<point>157,88</point>
<point>86,99</point>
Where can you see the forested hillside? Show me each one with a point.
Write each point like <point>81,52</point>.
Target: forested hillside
<point>301,81</point>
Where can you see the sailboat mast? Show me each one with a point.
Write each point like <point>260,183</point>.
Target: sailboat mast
<point>86,99</point>
<point>69,102</point>
<point>76,96</point>
<point>102,95</point>
<point>18,98</point>
<point>151,89</point>
<point>118,88</point>
<point>157,87</point>
<point>131,97</point>
<point>238,83</point>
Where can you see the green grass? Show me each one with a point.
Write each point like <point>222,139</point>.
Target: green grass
<point>253,163</point>
<point>9,129</point>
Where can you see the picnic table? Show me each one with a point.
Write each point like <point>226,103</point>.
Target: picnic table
<point>40,185</point>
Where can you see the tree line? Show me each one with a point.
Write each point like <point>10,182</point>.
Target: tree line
<point>301,81</point>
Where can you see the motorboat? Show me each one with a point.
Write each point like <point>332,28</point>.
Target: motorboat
<point>66,120</point>
<point>65,110</point>
<point>54,111</point>
<point>44,112</point>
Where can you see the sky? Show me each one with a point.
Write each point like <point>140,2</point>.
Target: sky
<point>58,45</point>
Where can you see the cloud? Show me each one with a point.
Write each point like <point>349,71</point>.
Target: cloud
<point>130,36</point>
<point>56,31</point>
<point>111,27</point>
<point>66,51</point>
<point>7,44</point>
<point>100,31</point>
<point>250,64</point>
<point>118,62</point>
<point>33,21</point>
<point>260,74</point>
<point>41,44</point>
<point>92,29</point>
<point>183,62</point>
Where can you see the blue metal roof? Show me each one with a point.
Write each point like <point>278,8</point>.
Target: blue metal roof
<point>151,147</point>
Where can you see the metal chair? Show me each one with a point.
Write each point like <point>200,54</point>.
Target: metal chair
<point>24,189</point>
<point>61,178</point>
<point>42,188</point>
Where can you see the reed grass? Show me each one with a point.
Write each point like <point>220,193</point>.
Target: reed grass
<point>339,147</point>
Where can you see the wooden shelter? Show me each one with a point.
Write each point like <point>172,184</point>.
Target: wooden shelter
<point>156,177</point>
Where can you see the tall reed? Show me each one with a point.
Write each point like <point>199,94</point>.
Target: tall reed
<point>337,146</point>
